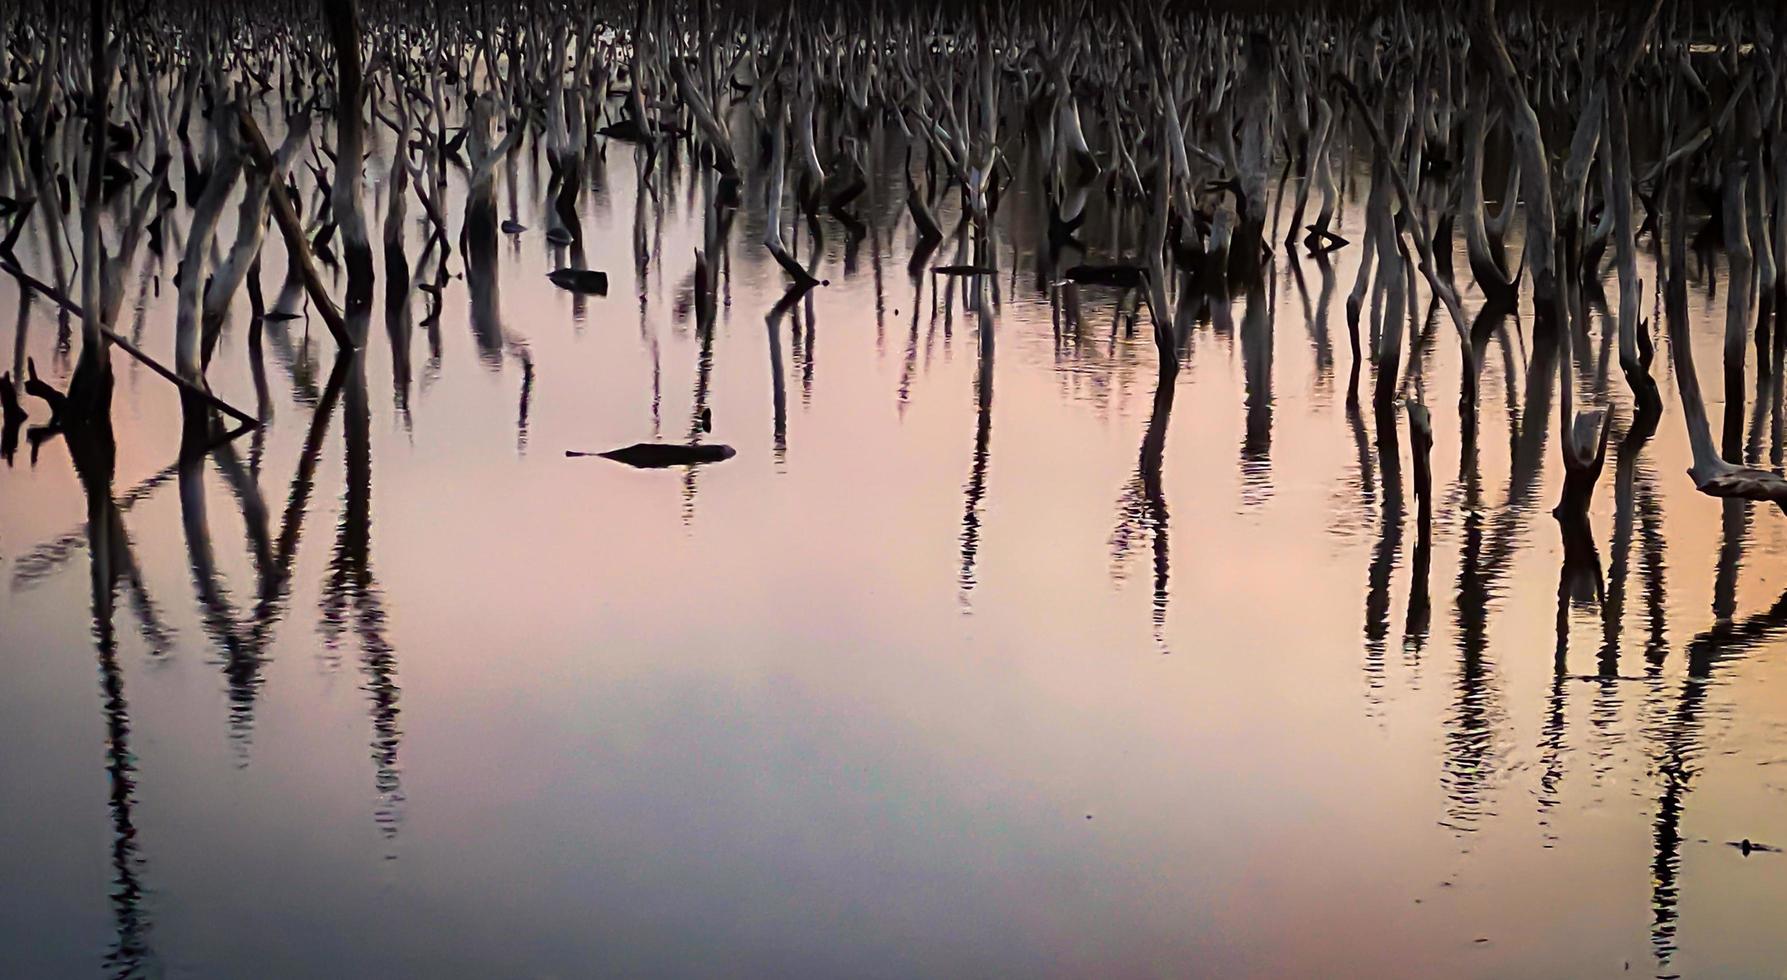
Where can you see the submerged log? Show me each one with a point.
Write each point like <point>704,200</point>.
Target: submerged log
<point>658,455</point>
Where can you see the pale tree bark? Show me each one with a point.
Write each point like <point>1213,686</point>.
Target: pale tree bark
<point>1529,141</point>
<point>188,363</point>
<point>251,225</point>
<point>1634,362</point>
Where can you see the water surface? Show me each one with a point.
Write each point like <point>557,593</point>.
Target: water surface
<point>983,656</point>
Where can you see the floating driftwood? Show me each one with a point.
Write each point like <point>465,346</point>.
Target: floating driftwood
<point>658,455</point>
<point>1748,847</point>
<point>587,281</point>
<point>1120,276</point>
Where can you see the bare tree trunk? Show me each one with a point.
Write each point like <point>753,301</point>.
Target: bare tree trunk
<point>1541,220</point>
<point>480,205</point>
<point>1633,360</point>
<point>1259,95</point>
<point>343,17</point>
<point>1737,304</point>
<point>251,226</point>
<point>188,362</point>
<point>90,389</point>
<point>1495,282</point>
<point>772,231</point>
<point>290,226</point>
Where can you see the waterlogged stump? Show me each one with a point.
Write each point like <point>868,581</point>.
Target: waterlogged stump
<point>11,412</point>
<point>659,455</point>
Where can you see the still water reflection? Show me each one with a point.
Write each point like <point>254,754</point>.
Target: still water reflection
<point>1127,670</point>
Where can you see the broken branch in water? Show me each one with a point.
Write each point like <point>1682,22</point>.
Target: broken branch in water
<point>293,231</point>
<point>71,306</point>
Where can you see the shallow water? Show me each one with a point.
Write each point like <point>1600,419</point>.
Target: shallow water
<point>941,674</point>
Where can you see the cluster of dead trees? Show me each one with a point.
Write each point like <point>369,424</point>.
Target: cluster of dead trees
<point>1224,136</point>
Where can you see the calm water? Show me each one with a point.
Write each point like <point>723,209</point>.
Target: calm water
<point>940,675</point>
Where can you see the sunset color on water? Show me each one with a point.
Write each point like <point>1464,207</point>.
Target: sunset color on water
<point>711,488</point>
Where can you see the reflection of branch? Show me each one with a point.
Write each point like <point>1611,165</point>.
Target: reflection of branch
<point>1651,548</point>
<point>249,500</point>
<point>1470,738</point>
<point>527,392</point>
<point>1727,640</point>
<point>910,363</point>
<point>1256,356</point>
<point>295,358</point>
<point>1724,641</point>
<point>1470,729</point>
<point>47,558</point>
<point>1667,841</point>
<point>1579,584</point>
<point>157,634</point>
<point>483,282</point>
<point>778,384</point>
<point>976,487</point>
<point>699,418</point>
<point>1142,507</point>
<point>218,612</point>
<point>1420,609</point>
<point>1619,558</point>
<point>94,462</point>
<point>352,599</point>
<point>275,586</point>
<point>1387,553</point>
<point>1734,526</point>
<point>1528,451</point>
